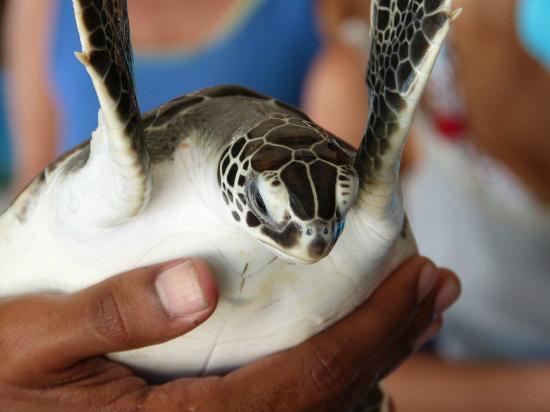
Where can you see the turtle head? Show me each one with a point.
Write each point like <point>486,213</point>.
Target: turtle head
<point>300,211</point>
<point>291,193</point>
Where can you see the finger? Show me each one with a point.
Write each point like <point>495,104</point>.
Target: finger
<point>323,367</point>
<point>425,326</point>
<point>147,306</point>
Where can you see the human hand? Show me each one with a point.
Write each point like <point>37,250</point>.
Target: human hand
<point>52,346</point>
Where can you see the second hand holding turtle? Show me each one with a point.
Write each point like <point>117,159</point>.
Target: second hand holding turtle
<point>52,363</point>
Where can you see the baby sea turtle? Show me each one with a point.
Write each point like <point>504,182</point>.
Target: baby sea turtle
<point>243,181</point>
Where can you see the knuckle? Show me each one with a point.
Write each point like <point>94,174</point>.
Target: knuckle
<point>108,320</point>
<point>331,369</point>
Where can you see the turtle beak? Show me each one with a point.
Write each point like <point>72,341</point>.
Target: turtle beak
<point>309,243</point>
<point>318,248</point>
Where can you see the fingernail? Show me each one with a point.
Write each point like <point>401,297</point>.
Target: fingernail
<point>179,290</point>
<point>448,294</point>
<point>429,334</point>
<point>427,280</point>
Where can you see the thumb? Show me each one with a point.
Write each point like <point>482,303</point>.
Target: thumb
<point>139,308</point>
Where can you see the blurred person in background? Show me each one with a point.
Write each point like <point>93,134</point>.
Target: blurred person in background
<point>285,48</point>
<point>479,202</point>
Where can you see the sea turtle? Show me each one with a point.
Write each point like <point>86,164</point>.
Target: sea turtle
<point>243,181</point>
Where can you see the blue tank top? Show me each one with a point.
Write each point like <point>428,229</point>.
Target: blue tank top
<point>269,50</point>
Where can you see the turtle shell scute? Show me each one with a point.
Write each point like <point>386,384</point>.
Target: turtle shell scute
<point>231,90</point>
<point>169,111</point>
<point>264,127</point>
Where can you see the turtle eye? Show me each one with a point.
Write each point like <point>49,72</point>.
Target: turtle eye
<point>260,203</point>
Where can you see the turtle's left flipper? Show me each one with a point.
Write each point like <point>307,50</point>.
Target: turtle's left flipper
<point>406,38</point>
<point>114,183</point>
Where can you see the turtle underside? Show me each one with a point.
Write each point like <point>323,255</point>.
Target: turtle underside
<point>228,175</point>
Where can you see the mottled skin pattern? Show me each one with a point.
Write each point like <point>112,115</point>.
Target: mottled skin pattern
<point>107,56</point>
<point>402,31</point>
<point>110,56</point>
<point>282,179</point>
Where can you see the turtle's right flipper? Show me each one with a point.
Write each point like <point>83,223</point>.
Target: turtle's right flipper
<point>406,38</point>
<point>116,177</point>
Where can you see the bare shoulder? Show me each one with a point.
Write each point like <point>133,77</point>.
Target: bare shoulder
<point>334,95</point>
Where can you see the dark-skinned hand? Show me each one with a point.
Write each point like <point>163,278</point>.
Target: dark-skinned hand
<point>52,346</point>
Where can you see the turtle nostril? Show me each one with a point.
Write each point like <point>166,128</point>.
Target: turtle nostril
<point>317,247</point>
<point>321,227</point>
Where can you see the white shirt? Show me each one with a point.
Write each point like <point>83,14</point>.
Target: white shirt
<point>473,216</point>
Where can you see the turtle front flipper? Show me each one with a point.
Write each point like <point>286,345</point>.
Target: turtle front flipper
<point>114,184</point>
<point>406,38</point>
